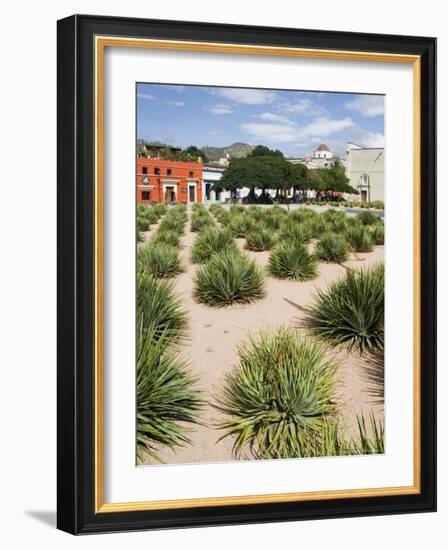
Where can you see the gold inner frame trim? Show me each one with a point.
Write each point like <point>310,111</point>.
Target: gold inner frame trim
<point>101,42</point>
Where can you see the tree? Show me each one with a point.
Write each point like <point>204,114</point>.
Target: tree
<point>192,153</point>
<point>262,172</point>
<point>263,151</point>
<point>334,179</point>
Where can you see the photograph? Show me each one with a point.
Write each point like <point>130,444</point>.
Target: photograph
<point>260,274</point>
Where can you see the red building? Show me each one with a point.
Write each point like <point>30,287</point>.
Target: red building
<point>168,181</point>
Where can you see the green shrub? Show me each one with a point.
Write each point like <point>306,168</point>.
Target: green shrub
<point>209,241</point>
<point>160,209</point>
<point>290,260</point>
<point>317,226</point>
<point>332,248</point>
<point>260,239</point>
<point>368,218</point>
<point>166,396</point>
<point>199,222</point>
<point>142,224</point>
<point>278,396</point>
<point>169,237</point>
<point>228,277</point>
<point>377,204</point>
<point>223,217</point>
<point>377,233</point>
<point>172,223</point>
<point>296,232</point>
<point>359,238</point>
<point>351,311</point>
<point>159,310</point>
<point>240,225</point>
<point>159,260</point>
<point>139,236</point>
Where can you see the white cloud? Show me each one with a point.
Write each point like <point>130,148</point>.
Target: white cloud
<point>272,117</point>
<point>220,109</point>
<point>245,96</point>
<point>303,107</point>
<point>289,132</point>
<point>176,103</point>
<point>367,105</point>
<point>145,96</point>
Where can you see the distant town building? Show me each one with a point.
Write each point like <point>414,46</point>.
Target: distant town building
<point>157,151</point>
<point>323,152</point>
<point>322,158</point>
<point>365,170</point>
<point>211,175</point>
<point>168,181</point>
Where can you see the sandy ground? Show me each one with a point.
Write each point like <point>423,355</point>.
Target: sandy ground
<point>216,332</point>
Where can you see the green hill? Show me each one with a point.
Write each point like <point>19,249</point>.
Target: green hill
<point>236,150</point>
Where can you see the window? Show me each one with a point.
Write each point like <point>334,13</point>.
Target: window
<point>157,171</point>
<point>191,174</point>
<point>146,195</point>
<point>168,171</point>
<point>144,170</point>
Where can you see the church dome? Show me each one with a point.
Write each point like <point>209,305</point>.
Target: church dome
<point>323,147</point>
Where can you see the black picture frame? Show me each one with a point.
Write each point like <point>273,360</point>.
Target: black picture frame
<point>76,254</point>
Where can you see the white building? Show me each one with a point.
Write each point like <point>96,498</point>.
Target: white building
<point>323,152</point>
<point>365,170</point>
<point>322,157</point>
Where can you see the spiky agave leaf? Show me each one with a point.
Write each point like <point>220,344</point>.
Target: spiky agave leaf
<point>159,310</point>
<point>260,238</point>
<point>169,237</point>
<point>209,241</point>
<point>228,277</point>
<point>160,260</point>
<point>291,260</point>
<point>377,233</point>
<point>350,311</point>
<point>359,238</point>
<point>278,396</point>
<point>332,248</point>
<point>166,395</point>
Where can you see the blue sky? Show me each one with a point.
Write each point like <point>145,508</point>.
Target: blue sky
<point>292,121</point>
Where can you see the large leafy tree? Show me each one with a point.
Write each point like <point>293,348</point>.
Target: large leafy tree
<point>263,151</point>
<point>334,179</point>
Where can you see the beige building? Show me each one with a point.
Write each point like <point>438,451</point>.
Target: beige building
<point>322,158</point>
<point>365,170</point>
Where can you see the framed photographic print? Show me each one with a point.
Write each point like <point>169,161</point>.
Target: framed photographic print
<point>246,274</point>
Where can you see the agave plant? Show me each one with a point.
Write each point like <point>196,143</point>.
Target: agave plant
<point>200,221</point>
<point>160,209</point>
<point>359,238</point>
<point>159,310</point>
<point>169,237</point>
<point>317,226</point>
<point>229,277</point>
<point>260,239</point>
<point>351,311</point>
<point>295,232</point>
<point>291,260</point>
<point>142,223</point>
<point>172,223</point>
<point>368,218</point>
<point>278,396</point>
<point>209,241</point>
<point>139,236</point>
<point>240,225</point>
<point>166,395</point>
<point>332,249</point>
<point>159,260</point>
<point>377,233</point>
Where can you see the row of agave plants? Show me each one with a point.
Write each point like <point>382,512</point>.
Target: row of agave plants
<point>283,368</point>
<point>279,400</point>
<point>148,215</point>
<point>167,396</point>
